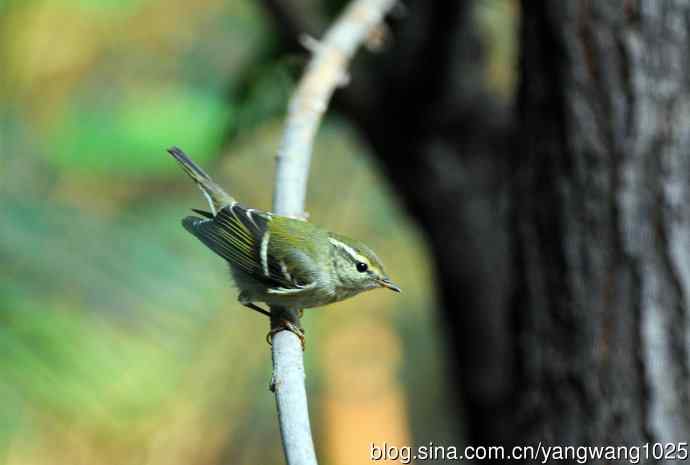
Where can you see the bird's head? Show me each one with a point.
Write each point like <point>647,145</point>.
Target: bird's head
<point>356,266</point>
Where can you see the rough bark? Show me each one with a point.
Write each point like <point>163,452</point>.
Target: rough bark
<point>601,223</point>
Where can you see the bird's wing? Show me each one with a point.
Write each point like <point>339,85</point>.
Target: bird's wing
<point>241,236</point>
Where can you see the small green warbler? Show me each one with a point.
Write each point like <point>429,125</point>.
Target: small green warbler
<point>278,260</point>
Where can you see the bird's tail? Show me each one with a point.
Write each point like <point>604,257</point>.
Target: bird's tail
<point>216,196</point>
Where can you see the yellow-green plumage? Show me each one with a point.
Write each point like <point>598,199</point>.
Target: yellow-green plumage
<point>279,260</point>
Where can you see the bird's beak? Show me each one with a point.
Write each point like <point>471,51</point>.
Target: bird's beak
<point>385,282</point>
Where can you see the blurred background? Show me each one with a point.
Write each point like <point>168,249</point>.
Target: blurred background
<point>121,341</point>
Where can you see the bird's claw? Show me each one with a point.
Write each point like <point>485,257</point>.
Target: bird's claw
<point>285,325</point>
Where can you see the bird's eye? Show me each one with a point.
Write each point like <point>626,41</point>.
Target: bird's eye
<point>362,267</point>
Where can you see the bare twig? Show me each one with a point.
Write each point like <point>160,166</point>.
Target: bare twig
<point>323,75</point>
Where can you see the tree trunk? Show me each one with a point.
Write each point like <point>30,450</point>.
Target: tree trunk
<point>601,223</point>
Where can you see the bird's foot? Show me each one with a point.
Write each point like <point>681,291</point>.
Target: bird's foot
<point>285,325</point>
<point>256,308</point>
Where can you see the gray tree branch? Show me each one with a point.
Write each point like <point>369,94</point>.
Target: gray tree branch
<point>326,71</point>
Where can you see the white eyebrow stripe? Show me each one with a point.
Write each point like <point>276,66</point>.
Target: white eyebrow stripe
<point>352,252</point>
<point>264,251</point>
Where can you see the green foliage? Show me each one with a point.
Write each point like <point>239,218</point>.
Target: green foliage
<point>111,6</point>
<point>128,137</point>
<point>70,365</point>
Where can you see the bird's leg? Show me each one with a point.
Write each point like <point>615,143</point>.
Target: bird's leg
<point>245,300</point>
<point>256,308</point>
<point>283,324</point>
<point>281,319</point>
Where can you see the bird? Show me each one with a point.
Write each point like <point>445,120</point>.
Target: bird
<point>277,260</point>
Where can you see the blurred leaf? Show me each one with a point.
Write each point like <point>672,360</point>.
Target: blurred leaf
<point>116,6</point>
<point>128,137</point>
<point>64,363</point>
